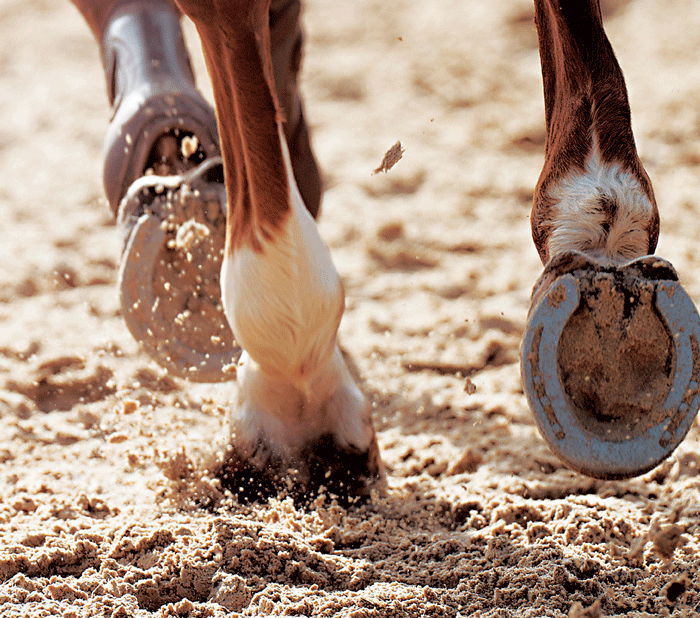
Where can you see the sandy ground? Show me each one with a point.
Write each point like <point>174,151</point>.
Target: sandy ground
<point>97,514</point>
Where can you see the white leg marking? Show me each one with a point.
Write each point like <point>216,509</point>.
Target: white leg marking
<point>601,211</point>
<point>284,305</point>
<point>274,411</point>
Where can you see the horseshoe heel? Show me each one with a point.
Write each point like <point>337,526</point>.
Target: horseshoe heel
<point>622,424</point>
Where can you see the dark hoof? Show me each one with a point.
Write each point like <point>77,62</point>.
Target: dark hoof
<point>174,229</point>
<point>610,364</point>
<point>322,467</point>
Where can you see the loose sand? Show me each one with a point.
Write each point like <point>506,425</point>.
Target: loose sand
<point>616,356</point>
<point>101,453</point>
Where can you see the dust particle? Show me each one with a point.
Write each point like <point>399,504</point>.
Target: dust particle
<point>129,406</point>
<point>468,463</point>
<point>391,231</point>
<point>230,369</point>
<point>391,158</point>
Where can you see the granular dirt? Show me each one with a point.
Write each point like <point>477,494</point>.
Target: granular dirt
<point>616,356</point>
<point>107,506</point>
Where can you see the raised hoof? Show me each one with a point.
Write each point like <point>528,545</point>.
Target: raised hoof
<point>174,229</point>
<point>610,363</point>
<point>322,467</point>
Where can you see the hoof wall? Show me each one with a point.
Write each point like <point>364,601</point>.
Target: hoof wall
<point>610,363</point>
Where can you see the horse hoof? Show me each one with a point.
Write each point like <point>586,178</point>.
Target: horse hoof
<point>174,228</point>
<point>610,363</point>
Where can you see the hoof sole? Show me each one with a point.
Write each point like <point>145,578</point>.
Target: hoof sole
<point>610,363</point>
<point>169,276</point>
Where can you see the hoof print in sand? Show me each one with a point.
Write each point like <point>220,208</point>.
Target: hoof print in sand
<point>61,383</point>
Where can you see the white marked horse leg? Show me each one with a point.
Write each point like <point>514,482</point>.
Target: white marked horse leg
<point>300,421</point>
<point>610,358</point>
<point>299,413</point>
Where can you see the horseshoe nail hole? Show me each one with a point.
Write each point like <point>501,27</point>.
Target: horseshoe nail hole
<point>616,356</point>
